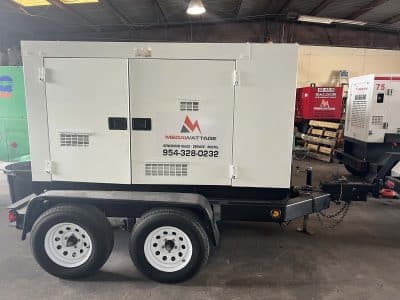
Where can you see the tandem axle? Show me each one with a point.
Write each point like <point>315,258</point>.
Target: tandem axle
<point>160,211</point>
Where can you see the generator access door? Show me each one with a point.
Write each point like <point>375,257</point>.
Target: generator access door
<point>393,97</point>
<point>182,121</point>
<point>88,118</point>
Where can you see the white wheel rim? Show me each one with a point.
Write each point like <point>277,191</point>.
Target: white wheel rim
<point>168,249</point>
<point>68,245</point>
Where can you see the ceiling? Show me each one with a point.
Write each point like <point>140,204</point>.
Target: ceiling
<point>112,15</point>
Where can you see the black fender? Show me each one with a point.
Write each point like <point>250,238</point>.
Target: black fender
<point>123,204</point>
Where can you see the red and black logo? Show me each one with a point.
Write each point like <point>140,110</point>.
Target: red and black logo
<point>189,126</point>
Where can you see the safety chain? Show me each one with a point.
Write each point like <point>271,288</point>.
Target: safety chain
<point>343,211</point>
<point>334,215</point>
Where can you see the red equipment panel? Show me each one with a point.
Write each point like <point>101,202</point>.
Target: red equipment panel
<point>319,103</point>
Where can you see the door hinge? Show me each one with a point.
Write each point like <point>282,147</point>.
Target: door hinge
<point>48,166</point>
<point>42,74</point>
<point>233,172</point>
<point>236,79</point>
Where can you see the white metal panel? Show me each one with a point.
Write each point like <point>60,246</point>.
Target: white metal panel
<point>34,52</point>
<point>264,116</point>
<point>393,117</point>
<point>190,103</point>
<point>361,90</point>
<point>375,129</point>
<point>81,94</point>
<point>137,50</point>
<point>35,95</point>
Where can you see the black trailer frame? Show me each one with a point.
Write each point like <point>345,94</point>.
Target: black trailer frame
<point>30,211</point>
<point>133,204</point>
<point>128,204</point>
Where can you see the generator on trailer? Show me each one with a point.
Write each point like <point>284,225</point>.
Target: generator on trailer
<point>372,129</point>
<point>171,137</point>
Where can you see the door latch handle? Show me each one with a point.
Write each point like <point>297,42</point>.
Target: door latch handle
<point>141,124</point>
<point>117,123</point>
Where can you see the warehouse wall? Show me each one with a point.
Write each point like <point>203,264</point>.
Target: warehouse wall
<point>320,65</point>
<point>317,64</point>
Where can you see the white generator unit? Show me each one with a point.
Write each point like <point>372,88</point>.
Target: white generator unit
<point>372,128</point>
<point>373,108</point>
<point>176,136</point>
<point>161,114</point>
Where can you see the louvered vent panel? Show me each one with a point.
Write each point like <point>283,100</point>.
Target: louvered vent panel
<point>166,169</point>
<point>377,120</point>
<point>189,105</point>
<point>74,140</point>
<point>358,111</point>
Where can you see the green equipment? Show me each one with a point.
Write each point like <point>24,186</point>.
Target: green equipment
<point>14,143</point>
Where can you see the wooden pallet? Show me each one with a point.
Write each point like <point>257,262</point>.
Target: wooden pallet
<point>322,139</point>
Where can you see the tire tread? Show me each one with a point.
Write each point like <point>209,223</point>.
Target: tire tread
<point>179,213</point>
<point>84,212</point>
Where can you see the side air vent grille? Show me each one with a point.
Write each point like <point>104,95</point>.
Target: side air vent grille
<point>74,140</point>
<point>166,169</point>
<point>377,120</point>
<point>358,111</point>
<point>189,105</point>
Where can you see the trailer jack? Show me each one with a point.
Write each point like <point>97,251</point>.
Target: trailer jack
<point>304,228</point>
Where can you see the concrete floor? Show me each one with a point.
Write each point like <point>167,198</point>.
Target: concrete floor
<point>358,260</point>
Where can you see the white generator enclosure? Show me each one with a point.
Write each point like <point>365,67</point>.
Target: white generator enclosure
<point>175,114</point>
<point>373,107</point>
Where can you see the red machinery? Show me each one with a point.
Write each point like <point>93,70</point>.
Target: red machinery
<point>318,103</point>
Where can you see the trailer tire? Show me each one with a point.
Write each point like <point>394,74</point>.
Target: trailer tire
<point>181,245</point>
<point>72,241</point>
<point>355,172</point>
